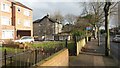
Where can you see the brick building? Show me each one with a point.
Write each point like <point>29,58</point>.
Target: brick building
<point>15,20</point>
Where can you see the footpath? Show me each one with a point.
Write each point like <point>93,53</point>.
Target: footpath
<point>92,56</point>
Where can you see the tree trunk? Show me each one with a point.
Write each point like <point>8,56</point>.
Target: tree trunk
<point>98,36</point>
<point>95,32</point>
<point>107,38</point>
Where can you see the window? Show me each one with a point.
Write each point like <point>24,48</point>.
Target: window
<point>5,7</point>
<point>7,34</point>
<point>19,21</point>
<point>26,12</point>
<point>27,23</point>
<point>18,9</point>
<point>5,21</point>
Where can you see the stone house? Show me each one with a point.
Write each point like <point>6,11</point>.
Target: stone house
<point>46,28</point>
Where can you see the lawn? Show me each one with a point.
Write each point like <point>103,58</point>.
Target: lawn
<point>47,45</point>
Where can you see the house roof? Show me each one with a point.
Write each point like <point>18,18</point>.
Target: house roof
<point>47,16</point>
<point>19,4</point>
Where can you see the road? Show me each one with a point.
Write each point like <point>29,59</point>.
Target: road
<point>115,48</point>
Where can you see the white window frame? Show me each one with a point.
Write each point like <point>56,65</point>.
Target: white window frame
<point>18,21</point>
<point>5,8</point>
<point>26,12</point>
<point>5,20</point>
<point>7,34</point>
<point>27,23</point>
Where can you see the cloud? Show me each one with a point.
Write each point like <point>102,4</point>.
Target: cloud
<point>42,8</point>
<point>65,0</point>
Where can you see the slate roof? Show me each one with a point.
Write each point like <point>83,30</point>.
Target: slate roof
<point>19,4</point>
<point>39,20</point>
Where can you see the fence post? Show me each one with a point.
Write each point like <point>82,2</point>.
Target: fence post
<point>11,61</point>
<point>66,43</point>
<point>75,45</point>
<point>35,56</point>
<point>5,53</point>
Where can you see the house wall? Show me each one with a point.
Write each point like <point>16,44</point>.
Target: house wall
<point>13,15</point>
<point>23,22</point>
<point>45,27</point>
<point>6,15</point>
<point>56,28</point>
<point>60,28</point>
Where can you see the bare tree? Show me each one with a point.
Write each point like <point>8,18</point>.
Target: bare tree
<point>95,13</point>
<point>109,9</point>
<point>106,10</point>
<point>70,18</point>
<point>57,15</point>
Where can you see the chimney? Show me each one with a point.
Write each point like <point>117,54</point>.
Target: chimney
<point>47,15</point>
<point>56,20</point>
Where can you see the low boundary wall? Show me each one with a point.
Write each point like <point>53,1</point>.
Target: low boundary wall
<point>60,58</point>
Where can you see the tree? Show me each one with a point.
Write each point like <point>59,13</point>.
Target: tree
<point>57,15</point>
<point>93,12</point>
<point>68,28</point>
<point>99,12</point>
<point>107,44</point>
<point>70,18</point>
<point>108,9</point>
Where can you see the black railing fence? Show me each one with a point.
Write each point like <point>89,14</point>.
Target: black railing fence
<point>29,57</point>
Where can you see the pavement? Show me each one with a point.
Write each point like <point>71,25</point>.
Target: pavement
<point>93,55</point>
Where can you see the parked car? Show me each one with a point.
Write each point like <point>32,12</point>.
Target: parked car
<point>25,39</point>
<point>116,38</point>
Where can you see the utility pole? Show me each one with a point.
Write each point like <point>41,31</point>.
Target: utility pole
<point>107,38</point>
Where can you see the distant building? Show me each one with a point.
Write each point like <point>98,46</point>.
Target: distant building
<point>46,27</point>
<point>15,20</point>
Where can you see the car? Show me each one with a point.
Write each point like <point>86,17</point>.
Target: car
<point>116,38</point>
<point>24,39</point>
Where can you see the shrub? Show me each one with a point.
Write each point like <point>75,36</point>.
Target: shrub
<point>8,41</point>
<point>78,33</point>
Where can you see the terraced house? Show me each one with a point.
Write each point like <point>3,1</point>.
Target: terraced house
<point>15,20</point>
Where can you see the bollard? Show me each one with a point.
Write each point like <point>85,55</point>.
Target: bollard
<point>11,61</point>
<point>5,53</point>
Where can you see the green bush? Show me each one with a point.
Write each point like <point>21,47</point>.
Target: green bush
<point>78,33</point>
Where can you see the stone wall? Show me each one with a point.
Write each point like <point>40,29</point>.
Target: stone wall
<point>79,45</point>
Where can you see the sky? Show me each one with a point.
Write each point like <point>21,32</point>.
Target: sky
<point>42,7</point>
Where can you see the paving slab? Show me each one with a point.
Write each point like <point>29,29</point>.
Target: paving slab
<point>93,56</point>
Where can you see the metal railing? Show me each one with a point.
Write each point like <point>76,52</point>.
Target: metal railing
<point>28,58</point>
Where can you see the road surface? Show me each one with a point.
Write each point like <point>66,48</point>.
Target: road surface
<point>115,48</point>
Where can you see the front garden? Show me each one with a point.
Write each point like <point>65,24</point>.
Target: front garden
<point>31,53</point>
